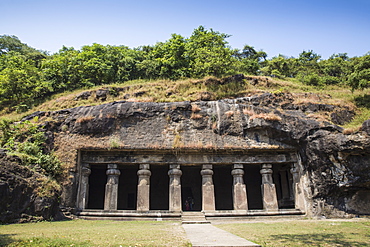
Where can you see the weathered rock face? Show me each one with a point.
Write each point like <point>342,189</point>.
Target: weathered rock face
<point>335,165</point>
<point>20,201</point>
<point>366,126</point>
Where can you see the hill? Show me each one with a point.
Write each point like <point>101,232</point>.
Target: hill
<point>350,111</point>
<point>246,113</point>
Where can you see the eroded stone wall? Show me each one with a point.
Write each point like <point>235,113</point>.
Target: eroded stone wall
<point>334,165</point>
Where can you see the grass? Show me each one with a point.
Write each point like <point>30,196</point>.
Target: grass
<point>304,233</point>
<point>93,233</point>
<point>192,89</point>
<point>152,233</point>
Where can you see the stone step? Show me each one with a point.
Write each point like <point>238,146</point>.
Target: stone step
<point>193,218</point>
<point>195,222</point>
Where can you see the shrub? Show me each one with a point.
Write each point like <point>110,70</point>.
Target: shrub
<point>312,80</point>
<point>27,140</point>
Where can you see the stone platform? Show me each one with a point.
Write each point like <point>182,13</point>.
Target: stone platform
<point>190,216</point>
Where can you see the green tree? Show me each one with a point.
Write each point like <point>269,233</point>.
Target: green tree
<point>96,69</point>
<point>280,66</point>
<point>208,54</point>
<point>70,69</point>
<point>360,77</point>
<point>335,70</point>
<point>21,82</point>
<point>165,59</point>
<point>63,70</point>
<point>250,60</point>
<point>11,43</point>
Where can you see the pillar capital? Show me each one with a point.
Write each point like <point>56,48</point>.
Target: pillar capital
<point>207,167</point>
<point>266,168</point>
<point>175,172</point>
<point>238,166</point>
<point>175,166</point>
<point>85,170</point>
<point>237,172</point>
<point>112,170</point>
<point>266,173</point>
<point>207,172</point>
<point>112,166</point>
<point>144,173</point>
<point>144,166</point>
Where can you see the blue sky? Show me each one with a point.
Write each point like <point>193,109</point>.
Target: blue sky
<point>276,26</point>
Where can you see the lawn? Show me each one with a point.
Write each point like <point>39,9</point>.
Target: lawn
<point>94,233</point>
<point>304,232</point>
<point>152,233</point>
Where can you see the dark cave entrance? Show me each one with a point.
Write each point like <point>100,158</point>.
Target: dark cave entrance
<point>223,183</point>
<point>127,187</point>
<point>253,181</point>
<point>191,188</point>
<point>283,180</point>
<point>159,187</point>
<point>97,181</point>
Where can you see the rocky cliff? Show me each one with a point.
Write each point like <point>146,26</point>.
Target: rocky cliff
<point>335,164</point>
<point>22,194</point>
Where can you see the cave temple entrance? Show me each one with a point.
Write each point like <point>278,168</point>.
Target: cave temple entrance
<point>160,184</point>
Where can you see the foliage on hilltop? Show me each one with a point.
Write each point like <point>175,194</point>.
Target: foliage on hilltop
<point>29,76</point>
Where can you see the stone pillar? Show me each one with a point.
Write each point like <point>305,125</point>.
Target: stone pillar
<point>143,187</point>
<point>175,188</point>
<point>208,191</point>
<point>83,193</point>
<point>240,201</point>
<point>269,197</point>
<point>298,192</point>
<point>111,188</point>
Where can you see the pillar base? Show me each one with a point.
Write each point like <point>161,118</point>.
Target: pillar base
<point>175,198</point>
<point>240,197</point>
<point>208,198</point>
<point>143,198</point>
<point>111,196</point>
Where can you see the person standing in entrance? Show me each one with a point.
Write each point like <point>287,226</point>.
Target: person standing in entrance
<point>187,206</point>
